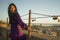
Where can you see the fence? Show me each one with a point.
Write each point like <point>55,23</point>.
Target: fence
<point>38,30</point>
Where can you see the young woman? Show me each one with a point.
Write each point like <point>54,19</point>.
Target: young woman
<point>16,23</point>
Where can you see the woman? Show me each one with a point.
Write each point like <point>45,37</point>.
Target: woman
<point>16,23</point>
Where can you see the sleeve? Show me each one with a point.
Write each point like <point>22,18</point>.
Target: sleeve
<point>21,23</point>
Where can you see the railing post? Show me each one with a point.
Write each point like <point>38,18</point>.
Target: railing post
<point>29,31</point>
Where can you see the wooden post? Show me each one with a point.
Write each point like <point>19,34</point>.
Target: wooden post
<point>7,19</point>
<point>7,28</point>
<point>29,31</point>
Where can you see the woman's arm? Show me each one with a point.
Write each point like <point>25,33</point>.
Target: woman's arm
<point>20,22</point>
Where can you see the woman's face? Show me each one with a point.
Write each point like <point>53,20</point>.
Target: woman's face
<point>12,9</point>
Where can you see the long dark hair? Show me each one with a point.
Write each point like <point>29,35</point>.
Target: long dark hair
<point>10,14</point>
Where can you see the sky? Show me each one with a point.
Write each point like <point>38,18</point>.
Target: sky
<point>47,7</point>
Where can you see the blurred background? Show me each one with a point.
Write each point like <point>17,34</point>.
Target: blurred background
<point>45,17</point>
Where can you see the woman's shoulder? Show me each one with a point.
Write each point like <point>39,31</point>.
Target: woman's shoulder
<point>17,14</point>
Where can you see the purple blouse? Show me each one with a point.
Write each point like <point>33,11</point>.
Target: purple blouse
<point>20,22</point>
<point>16,27</point>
